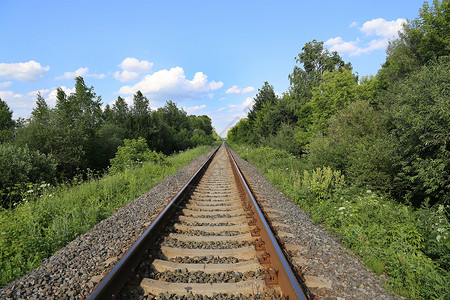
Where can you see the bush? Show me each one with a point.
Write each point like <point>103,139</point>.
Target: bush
<point>420,117</point>
<point>322,182</point>
<point>284,139</point>
<point>134,152</point>
<point>357,143</point>
<point>22,167</point>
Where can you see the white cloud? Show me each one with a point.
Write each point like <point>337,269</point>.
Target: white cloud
<point>134,65</point>
<point>248,102</point>
<point>172,84</point>
<point>193,109</point>
<point>125,75</point>
<point>235,90</point>
<point>132,68</point>
<point>383,31</point>
<point>42,92</point>
<point>242,108</point>
<point>16,102</point>
<point>226,117</point>
<point>337,44</point>
<point>22,104</point>
<point>83,72</point>
<point>5,84</point>
<point>354,24</point>
<point>9,95</point>
<point>28,71</point>
<point>381,27</point>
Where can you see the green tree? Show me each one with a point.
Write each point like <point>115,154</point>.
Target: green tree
<point>40,132</point>
<point>336,91</point>
<point>265,97</point>
<point>420,119</point>
<point>21,166</point>
<point>241,132</point>
<point>121,111</point>
<point>420,41</point>
<point>315,61</point>
<point>357,142</point>
<point>177,129</point>
<point>78,117</point>
<point>6,122</point>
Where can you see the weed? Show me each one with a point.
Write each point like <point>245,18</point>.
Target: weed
<point>53,216</point>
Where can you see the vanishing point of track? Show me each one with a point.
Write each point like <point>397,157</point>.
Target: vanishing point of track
<point>211,241</point>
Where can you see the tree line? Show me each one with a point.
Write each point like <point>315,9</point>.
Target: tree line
<point>390,131</point>
<point>78,136</point>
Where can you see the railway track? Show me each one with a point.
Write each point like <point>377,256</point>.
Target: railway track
<point>210,242</point>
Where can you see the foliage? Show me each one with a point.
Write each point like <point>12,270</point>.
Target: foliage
<point>35,229</point>
<point>322,182</point>
<point>21,168</point>
<point>420,120</point>
<point>134,153</point>
<point>316,61</point>
<point>284,138</point>
<point>81,136</point>
<point>422,40</point>
<point>264,98</point>
<point>6,122</point>
<point>358,143</point>
<point>240,132</point>
<point>411,246</point>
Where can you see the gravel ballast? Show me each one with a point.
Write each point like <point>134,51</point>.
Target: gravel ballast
<point>73,271</point>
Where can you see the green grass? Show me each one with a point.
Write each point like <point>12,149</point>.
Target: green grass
<point>411,246</point>
<point>47,221</point>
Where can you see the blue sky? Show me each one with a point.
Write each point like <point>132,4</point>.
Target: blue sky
<point>208,56</point>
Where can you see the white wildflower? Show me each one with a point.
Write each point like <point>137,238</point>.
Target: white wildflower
<point>341,208</point>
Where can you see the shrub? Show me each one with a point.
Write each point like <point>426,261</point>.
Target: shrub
<point>357,143</point>
<point>21,167</point>
<point>284,139</point>
<point>420,117</point>
<point>322,182</point>
<point>133,153</point>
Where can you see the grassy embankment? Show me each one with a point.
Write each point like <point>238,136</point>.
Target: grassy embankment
<point>411,246</point>
<point>53,216</point>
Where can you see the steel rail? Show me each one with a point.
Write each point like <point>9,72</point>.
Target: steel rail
<point>286,278</point>
<point>110,285</point>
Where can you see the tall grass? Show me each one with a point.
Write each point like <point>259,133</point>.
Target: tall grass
<point>411,246</point>
<point>48,220</point>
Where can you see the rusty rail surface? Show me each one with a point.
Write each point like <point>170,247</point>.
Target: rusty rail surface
<point>281,273</point>
<point>284,276</point>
